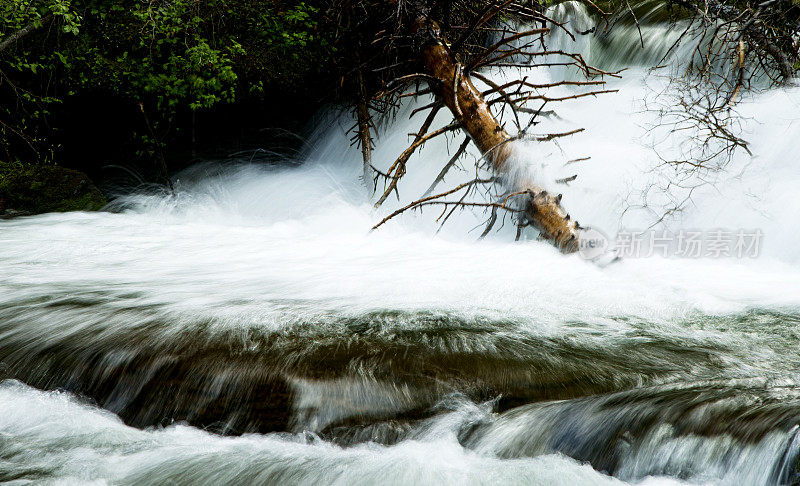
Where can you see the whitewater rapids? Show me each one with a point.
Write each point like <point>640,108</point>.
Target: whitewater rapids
<point>250,328</point>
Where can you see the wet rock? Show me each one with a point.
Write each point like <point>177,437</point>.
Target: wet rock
<point>34,189</point>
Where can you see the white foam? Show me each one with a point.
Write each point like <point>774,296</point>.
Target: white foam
<point>53,436</point>
<point>267,248</point>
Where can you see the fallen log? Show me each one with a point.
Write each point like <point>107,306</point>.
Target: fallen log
<point>541,210</point>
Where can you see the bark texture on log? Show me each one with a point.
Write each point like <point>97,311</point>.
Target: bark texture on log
<point>468,106</point>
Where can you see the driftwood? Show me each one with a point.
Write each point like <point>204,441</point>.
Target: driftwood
<point>470,109</point>
<point>438,47</point>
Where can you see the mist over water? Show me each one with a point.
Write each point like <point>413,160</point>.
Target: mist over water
<point>250,328</point>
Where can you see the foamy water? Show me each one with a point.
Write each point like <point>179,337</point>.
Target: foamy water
<point>405,355</point>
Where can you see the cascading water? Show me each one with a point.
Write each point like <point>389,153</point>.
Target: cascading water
<point>254,303</point>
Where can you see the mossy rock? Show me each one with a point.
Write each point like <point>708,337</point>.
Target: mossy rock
<point>34,189</point>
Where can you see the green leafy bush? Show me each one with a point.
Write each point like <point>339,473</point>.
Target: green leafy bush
<point>169,56</point>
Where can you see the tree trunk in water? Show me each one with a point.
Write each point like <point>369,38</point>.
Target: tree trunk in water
<point>543,210</point>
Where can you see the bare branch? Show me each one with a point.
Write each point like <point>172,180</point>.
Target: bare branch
<point>439,178</point>
<point>23,32</point>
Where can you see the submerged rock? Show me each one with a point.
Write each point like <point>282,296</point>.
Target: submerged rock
<point>34,189</point>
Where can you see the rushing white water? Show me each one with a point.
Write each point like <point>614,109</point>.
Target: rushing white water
<point>76,444</point>
<point>667,369</point>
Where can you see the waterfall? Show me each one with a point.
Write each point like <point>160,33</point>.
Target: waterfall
<point>250,328</point>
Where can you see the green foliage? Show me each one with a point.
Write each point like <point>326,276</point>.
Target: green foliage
<point>293,29</point>
<point>170,56</point>
<point>173,62</point>
<point>23,119</point>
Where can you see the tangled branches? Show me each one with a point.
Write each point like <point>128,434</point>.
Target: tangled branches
<point>442,49</point>
<point>711,126</point>
<point>725,49</point>
<point>695,138</point>
<point>741,43</point>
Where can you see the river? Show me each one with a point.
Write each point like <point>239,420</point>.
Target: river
<point>250,328</point>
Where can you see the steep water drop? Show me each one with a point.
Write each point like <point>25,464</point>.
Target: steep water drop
<point>255,303</point>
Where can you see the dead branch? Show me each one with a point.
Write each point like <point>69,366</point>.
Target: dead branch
<point>577,160</point>
<point>398,168</point>
<point>24,31</point>
<point>439,178</point>
<point>486,53</point>
<point>552,136</point>
<point>364,125</point>
<point>452,205</point>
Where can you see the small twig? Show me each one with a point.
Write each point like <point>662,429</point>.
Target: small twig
<point>551,136</point>
<point>450,163</point>
<point>576,160</point>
